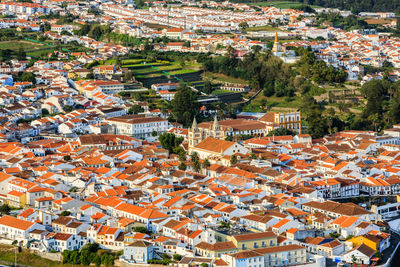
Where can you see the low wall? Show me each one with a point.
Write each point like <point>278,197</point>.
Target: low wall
<point>49,256</point>
<point>120,263</point>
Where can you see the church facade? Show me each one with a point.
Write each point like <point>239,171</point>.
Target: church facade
<point>288,56</point>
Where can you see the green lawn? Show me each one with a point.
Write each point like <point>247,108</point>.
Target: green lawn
<point>217,77</point>
<point>38,53</point>
<point>142,71</point>
<point>182,71</point>
<point>281,4</point>
<point>273,102</point>
<point>15,45</point>
<point>32,49</point>
<point>140,65</point>
<point>267,28</point>
<point>220,92</point>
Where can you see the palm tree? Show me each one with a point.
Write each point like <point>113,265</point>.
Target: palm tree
<point>206,165</point>
<point>374,118</point>
<point>252,156</point>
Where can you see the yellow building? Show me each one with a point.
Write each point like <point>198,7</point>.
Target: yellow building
<point>288,120</point>
<point>78,73</point>
<point>16,199</point>
<point>216,250</point>
<point>254,240</point>
<point>371,241</point>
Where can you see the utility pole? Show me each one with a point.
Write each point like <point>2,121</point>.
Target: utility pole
<point>15,257</point>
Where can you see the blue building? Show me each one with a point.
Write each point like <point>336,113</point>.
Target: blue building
<point>139,252</point>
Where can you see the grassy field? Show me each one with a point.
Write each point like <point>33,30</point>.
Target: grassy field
<point>7,254</point>
<point>262,103</point>
<point>31,49</point>
<point>162,71</point>
<point>15,45</point>
<point>217,77</point>
<point>220,91</point>
<point>267,28</point>
<point>281,4</point>
<point>141,70</point>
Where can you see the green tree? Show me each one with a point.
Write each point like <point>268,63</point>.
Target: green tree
<point>206,164</point>
<point>375,92</point>
<point>280,132</point>
<point>165,256</point>
<point>46,27</point>
<point>65,213</point>
<point>21,55</point>
<point>27,77</point>
<point>181,155</point>
<point>139,3</point>
<point>177,257</point>
<point>5,209</point>
<point>184,105</point>
<point>128,76</point>
<point>252,156</point>
<point>66,256</point>
<point>85,257</point>
<point>182,166</point>
<point>170,141</point>
<point>224,224</point>
<point>207,88</point>
<point>75,257</point>
<point>68,109</point>
<point>96,260</point>
<point>107,260</point>
<point>141,229</point>
<point>334,235</point>
<point>45,112</point>
<point>135,109</point>
<point>234,159</point>
<point>243,25</point>
<point>196,166</point>
<point>343,107</point>
<point>375,120</point>
<point>316,124</point>
<point>90,76</point>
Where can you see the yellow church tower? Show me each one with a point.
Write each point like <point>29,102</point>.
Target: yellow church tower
<point>277,49</point>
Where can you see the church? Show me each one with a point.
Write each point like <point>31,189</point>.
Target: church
<point>196,135</point>
<point>288,56</point>
<point>236,127</point>
<point>209,143</point>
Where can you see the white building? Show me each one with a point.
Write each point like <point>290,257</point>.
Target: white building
<point>138,126</point>
<point>17,229</point>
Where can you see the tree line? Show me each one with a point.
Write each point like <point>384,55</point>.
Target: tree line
<point>89,254</point>
<point>357,6</point>
<point>270,73</point>
<point>381,111</point>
